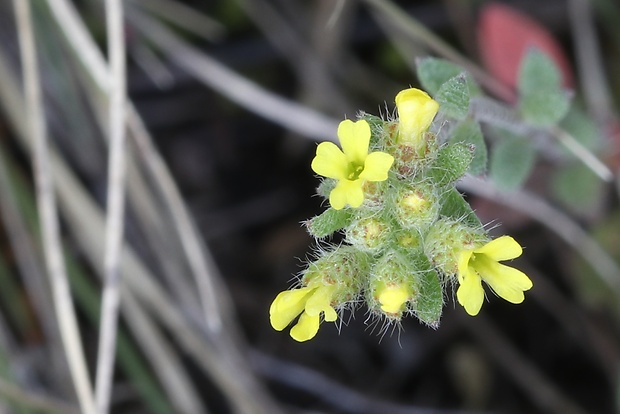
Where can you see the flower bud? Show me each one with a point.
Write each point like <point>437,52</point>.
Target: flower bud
<point>416,111</point>
<point>369,234</point>
<point>391,285</point>
<point>417,207</point>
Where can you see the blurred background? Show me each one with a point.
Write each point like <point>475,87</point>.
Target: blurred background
<point>227,102</point>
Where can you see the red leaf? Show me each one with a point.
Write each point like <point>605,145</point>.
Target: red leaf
<point>505,34</point>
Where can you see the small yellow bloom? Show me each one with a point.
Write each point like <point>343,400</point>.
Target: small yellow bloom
<point>416,111</point>
<point>482,263</point>
<point>393,298</point>
<point>310,302</point>
<point>353,165</point>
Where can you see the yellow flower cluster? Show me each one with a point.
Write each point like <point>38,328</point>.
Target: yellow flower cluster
<point>413,206</point>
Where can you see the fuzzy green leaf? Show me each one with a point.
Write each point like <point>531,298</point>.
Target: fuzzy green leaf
<point>429,303</point>
<point>453,97</point>
<point>328,222</point>
<point>578,188</point>
<point>512,160</point>
<point>542,101</point>
<point>433,73</point>
<point>469,132</point>
<point>579,125</point>
<point>454,206</point>
<point>451,163</point>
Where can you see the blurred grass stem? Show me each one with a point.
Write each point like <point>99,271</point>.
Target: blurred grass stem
<point>46,203</point>
<point>115,207</point>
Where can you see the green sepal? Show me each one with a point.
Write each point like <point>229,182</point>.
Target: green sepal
<point>469,132</point>
<point>377,130</point>
<point>542,101</point>
<point>433,73</point>
<point>451,163</point>
<point>454,206</point>
<point>328,222</point>
<point>326,187</point>
<point>429,303</point>
<point>453,97</point>
<point>512,160</point>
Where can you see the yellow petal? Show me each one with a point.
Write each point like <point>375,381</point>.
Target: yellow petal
<point>287,305</point>
<point>306,328</point>
<point>354,138</point>
<point>347,192</point>
<point>508,282</point>
<point>330,161</point>
<point>320,301</point>
<point>463,264</point>
<point>470,293</point>
<point>416,110</point>
<point>502,248</point>
<point>393,299</point>
<point>377,166</point>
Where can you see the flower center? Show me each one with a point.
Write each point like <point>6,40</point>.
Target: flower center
<point>354,171</point>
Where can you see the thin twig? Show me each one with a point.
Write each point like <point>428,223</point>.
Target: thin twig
<point>116,205</point>
<point>46,203</point>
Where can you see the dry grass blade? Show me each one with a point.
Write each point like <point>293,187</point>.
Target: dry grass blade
<point>30,264</point>
<point>240,90</point>
<point>46,203</point>
<point>592,74</point>
<point>177,382</point>
<point>115,207</point>
<point>185,17</point>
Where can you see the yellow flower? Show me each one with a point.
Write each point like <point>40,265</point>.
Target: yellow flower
<point>416,111</point>
<point>393,298</point>
<point>482,263</point>
<point>352,166</point>
<point>308,301</point>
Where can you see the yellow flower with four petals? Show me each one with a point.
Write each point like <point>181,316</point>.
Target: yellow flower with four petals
<point>353,165</point>
<point>482,263</point>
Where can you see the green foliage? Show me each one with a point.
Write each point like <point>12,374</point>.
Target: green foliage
<point>578,188</point>
<point>433,73</point>
<point>581,127</point>
<point>429,303</point>
<point>452,162</point>
<point>512,160</point>
<point>328,222</point>
<point>469,132</point>
<point>454,206</point>
<point>542,101</point>
<point>453,97</point>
